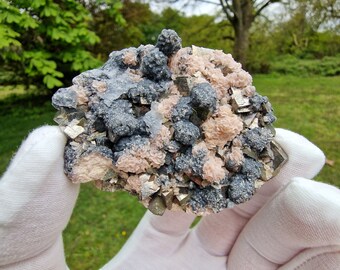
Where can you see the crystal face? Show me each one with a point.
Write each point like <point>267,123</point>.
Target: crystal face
<point>180,128</point>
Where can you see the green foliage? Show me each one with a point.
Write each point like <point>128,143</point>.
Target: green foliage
<point>262,47</point>
<point>204,31</point>
<point>45,42</point>
<point>39,63</point>
<point>81,60</point>
<point>290,65</point>
<point>143,26</point>
<point>8,37</point>
<point>322,44</point>
<point>116,36</point>
<point>320,15</point>
<point>293,47</point>
<point>268,39</point>
<point>301,36</point>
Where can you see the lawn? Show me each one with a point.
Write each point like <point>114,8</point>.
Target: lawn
<point>102,222</point>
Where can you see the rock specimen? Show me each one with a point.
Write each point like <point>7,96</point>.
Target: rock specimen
<point>181,128</point>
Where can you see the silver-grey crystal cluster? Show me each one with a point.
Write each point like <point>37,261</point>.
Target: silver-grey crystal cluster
<point>180,128</point>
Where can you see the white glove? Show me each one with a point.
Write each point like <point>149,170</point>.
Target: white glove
<point>36,201</point>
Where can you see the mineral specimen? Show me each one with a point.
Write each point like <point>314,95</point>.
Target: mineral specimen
<point>180,128</point>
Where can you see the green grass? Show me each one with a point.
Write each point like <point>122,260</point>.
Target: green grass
<point>310,107</point>
<point>15,123</point>
<point>7,92</point>
<point>102,222</point>
<point>99,227</point>
<point>14,91</point>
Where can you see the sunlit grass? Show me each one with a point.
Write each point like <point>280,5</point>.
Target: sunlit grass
<point>310,107</point>
<point>10,91</point>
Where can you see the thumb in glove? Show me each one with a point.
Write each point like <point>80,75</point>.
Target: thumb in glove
<point>36,202</point>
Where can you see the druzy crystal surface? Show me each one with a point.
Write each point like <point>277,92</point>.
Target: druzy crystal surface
<point>180,128</point>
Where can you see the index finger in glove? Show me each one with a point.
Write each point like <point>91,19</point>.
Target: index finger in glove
<point>301,216</point>
<point>218,232</point>
<point>154,239</point>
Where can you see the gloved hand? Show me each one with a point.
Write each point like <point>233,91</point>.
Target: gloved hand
<point>36,202</point>
<point>297,226</point>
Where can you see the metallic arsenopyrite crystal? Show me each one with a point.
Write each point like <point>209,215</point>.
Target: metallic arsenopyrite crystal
<point>181,128</point>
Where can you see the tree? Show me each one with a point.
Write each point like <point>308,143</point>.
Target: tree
<point>320,14</point>
<point>142,26</point>
<point>311,31</point>
<point>116,36</point>
<point>241,14</point>
<point>262,46</point>
<point>43,42</point>
<point>108,17</point>
<point>205,31</point>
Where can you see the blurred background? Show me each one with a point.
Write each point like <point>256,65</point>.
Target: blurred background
<point>292,49</point>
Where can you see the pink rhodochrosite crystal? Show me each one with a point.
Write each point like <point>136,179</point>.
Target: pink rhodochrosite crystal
<point>180,128</point>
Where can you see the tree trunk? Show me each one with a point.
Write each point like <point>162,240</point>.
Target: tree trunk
<point>242,20</point>
<point>241,44</point>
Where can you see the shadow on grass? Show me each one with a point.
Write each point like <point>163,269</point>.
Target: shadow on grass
<point>24,103</point>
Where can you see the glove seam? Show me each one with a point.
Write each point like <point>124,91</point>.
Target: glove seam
<point>260,254</point>
<point>204,248</point>
<point>314,257</point>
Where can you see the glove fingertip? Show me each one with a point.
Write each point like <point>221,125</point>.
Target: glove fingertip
<point>43,147</point>
<point>50,133</point>
<point>171,222</point>
<point>325,192</point>
<point>303,156</point>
